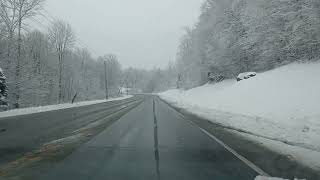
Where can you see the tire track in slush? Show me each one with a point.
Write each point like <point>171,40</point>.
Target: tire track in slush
<point>156,141</point>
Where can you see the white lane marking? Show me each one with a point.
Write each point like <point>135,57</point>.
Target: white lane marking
<point>243,159</point>
<point>240,157</point>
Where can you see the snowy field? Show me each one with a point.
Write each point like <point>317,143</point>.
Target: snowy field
<point>282,105</point>
<point>24,111</point>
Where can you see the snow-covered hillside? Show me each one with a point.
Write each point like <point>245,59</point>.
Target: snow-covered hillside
<point>282,104</point>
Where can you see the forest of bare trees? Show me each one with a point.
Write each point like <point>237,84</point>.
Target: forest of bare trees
<point>48,67</point>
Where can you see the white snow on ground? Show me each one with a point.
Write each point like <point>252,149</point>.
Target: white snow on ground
<point>302,155</point>
<point>269,178</point>
<point>32,110</point>
<point>282,104</point>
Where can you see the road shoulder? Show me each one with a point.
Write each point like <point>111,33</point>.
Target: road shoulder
<point>274,163</point>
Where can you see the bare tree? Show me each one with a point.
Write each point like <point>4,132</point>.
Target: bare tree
<point>37,47</point>
<point>13,13</point>
<point>85,58</point>
<point>8,17</point>
<point>109,60</point>
<point>62,38</point>
<point>26,9</point>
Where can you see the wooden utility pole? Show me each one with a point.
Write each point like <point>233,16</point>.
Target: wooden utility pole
<point>106,79</point>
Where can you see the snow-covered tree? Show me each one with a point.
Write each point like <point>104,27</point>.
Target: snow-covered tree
<point>62,38</point>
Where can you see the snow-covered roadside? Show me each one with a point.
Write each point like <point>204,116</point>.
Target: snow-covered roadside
<point>282,105</point>
<point>32,110</point>
<point>270,178</point>
<point>304,156</point>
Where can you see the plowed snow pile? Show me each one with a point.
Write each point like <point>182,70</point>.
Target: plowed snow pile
<point>32,110</point>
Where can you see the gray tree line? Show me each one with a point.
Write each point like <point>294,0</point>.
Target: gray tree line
<point>47,67</point>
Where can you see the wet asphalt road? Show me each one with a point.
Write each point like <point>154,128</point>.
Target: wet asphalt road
<point>151,142</point>
<point>26,133</point>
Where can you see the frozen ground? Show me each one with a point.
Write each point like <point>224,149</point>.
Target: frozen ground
<point>32,110</point>
<point>269,178</point>
<point>280,105</point>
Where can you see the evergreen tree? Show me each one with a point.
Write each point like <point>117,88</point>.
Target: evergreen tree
<point>3,89</point>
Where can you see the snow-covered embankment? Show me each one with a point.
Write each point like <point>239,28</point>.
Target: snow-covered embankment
<point>282,105</point>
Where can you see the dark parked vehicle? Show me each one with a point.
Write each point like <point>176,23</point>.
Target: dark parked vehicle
<point>246,75</point>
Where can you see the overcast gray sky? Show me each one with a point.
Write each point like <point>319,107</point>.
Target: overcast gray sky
<point>142,33</point>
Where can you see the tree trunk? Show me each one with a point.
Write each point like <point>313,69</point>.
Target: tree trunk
<point>106,80</point>
<point>60,77</point>
<point>17,103</point>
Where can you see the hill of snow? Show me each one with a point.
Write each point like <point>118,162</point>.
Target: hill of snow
<point>282,105</point>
